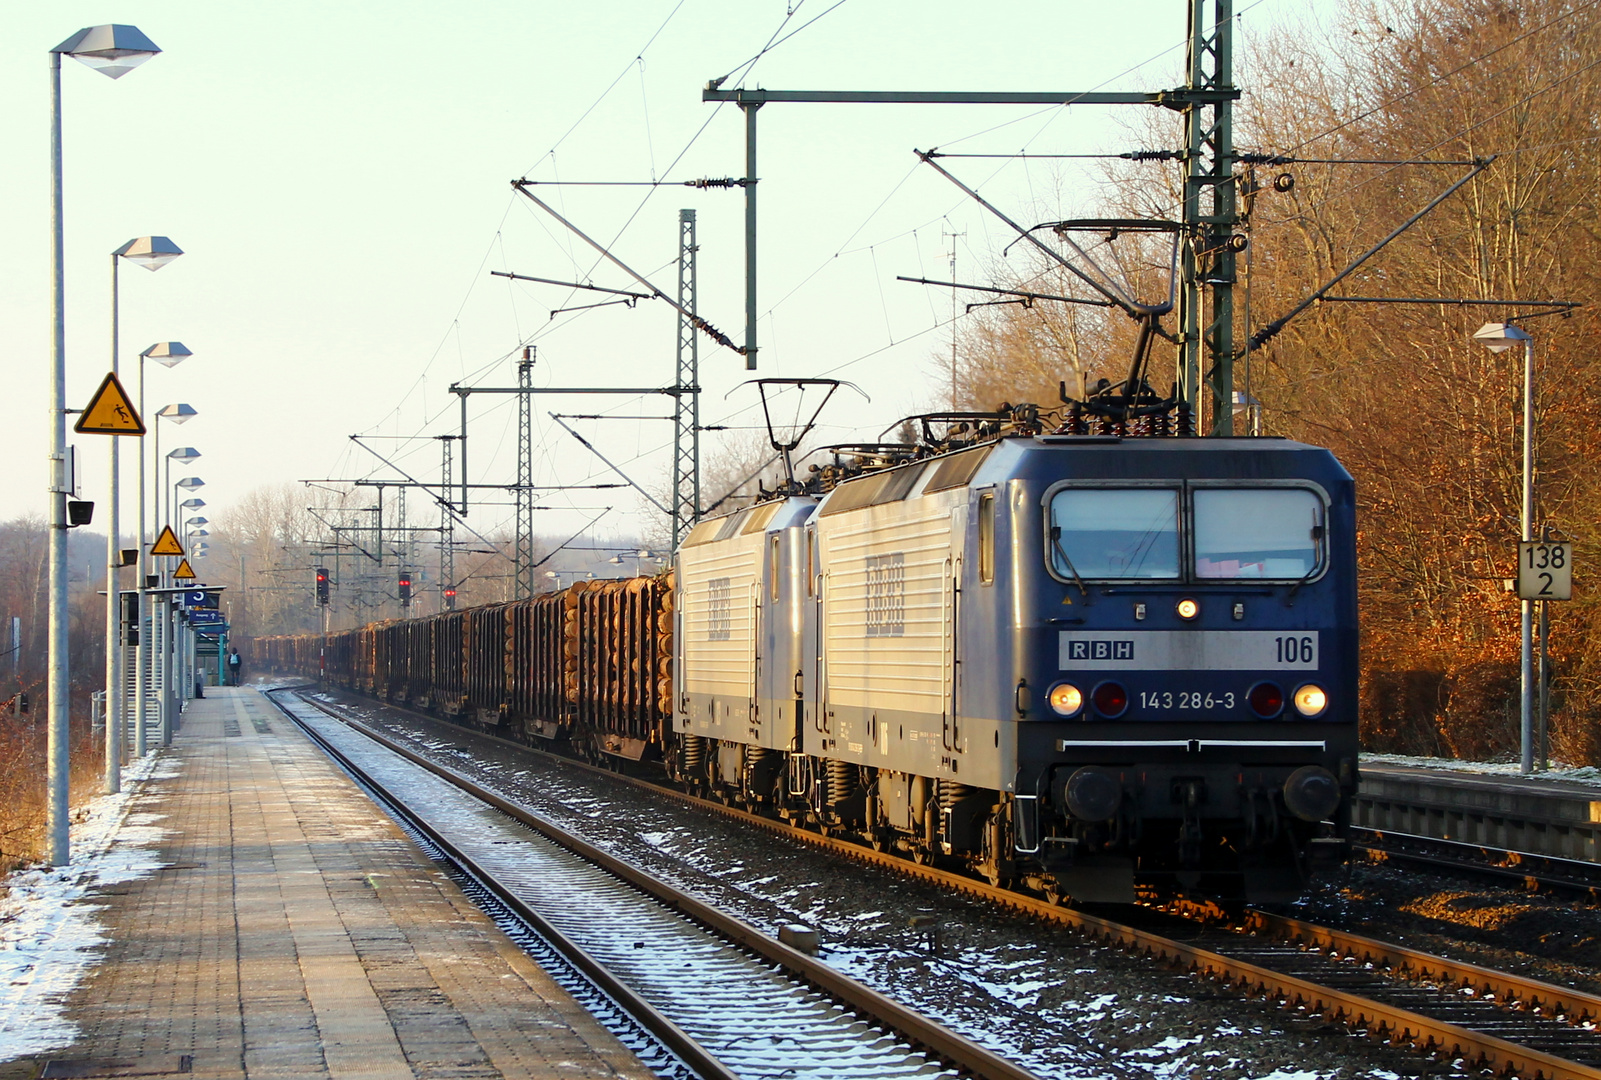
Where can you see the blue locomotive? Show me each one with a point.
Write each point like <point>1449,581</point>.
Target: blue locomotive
<point>1081,664</point>
<point>1077,663</point>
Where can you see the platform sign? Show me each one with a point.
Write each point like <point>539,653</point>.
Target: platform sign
<point>1545,570</point>
<point>110,412</point>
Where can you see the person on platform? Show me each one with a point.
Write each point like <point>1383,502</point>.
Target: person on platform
<point>233,667</point>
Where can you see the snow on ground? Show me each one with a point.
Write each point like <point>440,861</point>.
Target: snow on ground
<point>1581,774</point>
<point>49,931</point>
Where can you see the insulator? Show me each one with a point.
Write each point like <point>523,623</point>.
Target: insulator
<point>1153,155</point>
<point>1237,242</point>
<point>1283,182</point>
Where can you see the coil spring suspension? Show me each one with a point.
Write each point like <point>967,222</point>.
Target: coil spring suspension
<point>755,758</point>
<point>692,756</point>
<point>842,781</point>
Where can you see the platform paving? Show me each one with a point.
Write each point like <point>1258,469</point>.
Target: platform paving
<point>297,932</point>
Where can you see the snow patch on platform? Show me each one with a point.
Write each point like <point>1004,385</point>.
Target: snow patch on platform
<point>50,933</point>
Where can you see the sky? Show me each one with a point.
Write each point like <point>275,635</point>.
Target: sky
<point>338,176</point>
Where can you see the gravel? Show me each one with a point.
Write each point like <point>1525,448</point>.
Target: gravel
<point>1049,999</point>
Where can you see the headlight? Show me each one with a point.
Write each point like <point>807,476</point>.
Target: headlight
<point>1066,699</point>
<point>1187,608</point>
<point>1310,700</point>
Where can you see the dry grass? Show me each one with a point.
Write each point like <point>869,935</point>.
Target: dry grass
<point>23,786</point>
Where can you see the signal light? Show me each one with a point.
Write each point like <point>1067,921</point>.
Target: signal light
<point>1110,699</point>
<point>405,588</point>
<point>450,597</point>
<point>322,586</point>
<point>1266,700</point>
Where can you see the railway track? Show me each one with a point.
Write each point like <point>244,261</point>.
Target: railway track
<point>1534,873</point>
<point>726,999</point>
<point>1504,1023</point>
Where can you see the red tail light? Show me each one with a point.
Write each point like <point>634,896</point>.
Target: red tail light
<point>1266,700</point>
<point>1110,700</point>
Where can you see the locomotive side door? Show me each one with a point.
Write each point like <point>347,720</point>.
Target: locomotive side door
<point>950,617</point>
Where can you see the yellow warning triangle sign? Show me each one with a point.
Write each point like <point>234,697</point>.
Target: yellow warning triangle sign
<point>110,412</point>
<point>183,572</point>
<point>167,543</point>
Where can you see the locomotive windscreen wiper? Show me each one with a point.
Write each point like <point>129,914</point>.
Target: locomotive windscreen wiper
<point>1317,560</point>
<point>1061,553</point>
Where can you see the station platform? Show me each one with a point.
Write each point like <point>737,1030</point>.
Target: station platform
<point>295,931</point>
<point>1538,815</point>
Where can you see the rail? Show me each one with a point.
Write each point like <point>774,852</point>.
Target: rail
<point>1377,1018</point>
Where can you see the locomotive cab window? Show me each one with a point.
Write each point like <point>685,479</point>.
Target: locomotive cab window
<point>986,537</point>
<point>1117,534</point>
<point>1260,532</point>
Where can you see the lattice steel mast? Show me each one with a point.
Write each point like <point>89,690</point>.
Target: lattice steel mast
<point>1206,349</point>
<point>525,475</point>
<point>686,414</point>
<point>447,528</point>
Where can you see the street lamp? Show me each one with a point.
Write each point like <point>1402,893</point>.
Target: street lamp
<point>1249,407</point>
<point>152,253</point>
<point>167,354</point>
<point>1499,337</point>
<point>113,51</point>
<point>169,697</point>
<point>183,456</point>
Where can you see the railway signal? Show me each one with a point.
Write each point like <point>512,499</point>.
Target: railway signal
<point>322,586</point>
<point>405,588</point>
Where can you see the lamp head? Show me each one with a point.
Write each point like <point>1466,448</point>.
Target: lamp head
<point>178,414</point>
<point>183,454</point>
<point>1499,337</point>
<point>150,252</point>
<point>112,49</point>
<point>189,483</point>
<point>168,353</point>
<point>192,504</point>
<point>197,520</point>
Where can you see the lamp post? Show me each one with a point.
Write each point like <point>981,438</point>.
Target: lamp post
<point>113,51</point>
<point>1499,337</point>
<point>167,354</point>
<point>169,702</point>
<point>183,456</point>
<point>152,253</point>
